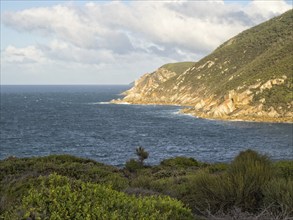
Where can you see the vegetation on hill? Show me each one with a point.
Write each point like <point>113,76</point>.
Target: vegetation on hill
<point>179,67</point>
<point>247,77</point>
<point>67,187</point>
<point>256,55</point>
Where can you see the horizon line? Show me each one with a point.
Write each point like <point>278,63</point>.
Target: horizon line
<point>65,84</point>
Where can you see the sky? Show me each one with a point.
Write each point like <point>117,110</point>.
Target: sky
<point>115,42</point>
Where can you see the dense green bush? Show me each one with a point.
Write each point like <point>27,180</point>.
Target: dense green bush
<point>18,175</point>
<point>240,186</point>
<point>133,165</point>
<point>180,162</point>
<point>278,198</point>
<point>169,172</point>
<point>284,169</point>
<point>63,198</point>
<point>206,193</point>
<point>142,181</point>
<point>12,192</point>
<point>248,173</point>
<point>65,165</point>
<point>217,167</point>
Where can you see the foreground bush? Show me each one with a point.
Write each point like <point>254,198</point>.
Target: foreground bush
<point>284,169</point>
<point>278,198</point>
<point>248,173</point>
<point>18,175</point>
<point>250,187</point>
<point>241,186</point>
<point>65,165</point>
<point>62,198</point>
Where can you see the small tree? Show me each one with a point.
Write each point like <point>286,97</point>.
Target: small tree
<point>142,154</point>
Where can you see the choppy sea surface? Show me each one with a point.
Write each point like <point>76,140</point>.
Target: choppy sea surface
<point>78,120</point>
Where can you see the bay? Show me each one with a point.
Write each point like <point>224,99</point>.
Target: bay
<point>79,120</point>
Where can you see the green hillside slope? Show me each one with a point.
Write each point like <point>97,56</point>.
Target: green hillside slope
<point>178,67</point>
<point>248,77</point>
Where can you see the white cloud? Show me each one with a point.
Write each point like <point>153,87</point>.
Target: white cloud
<point>62,51</point>
<point>114,38</point>
<point>260,11</point>
<point>59,21</point>
<point>28,54</point>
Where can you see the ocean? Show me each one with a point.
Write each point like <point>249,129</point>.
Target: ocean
<point>79,120</point>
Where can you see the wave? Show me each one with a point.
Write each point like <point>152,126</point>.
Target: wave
<point>190,115</point>
<point>108,103</point>
<point>184,114</point>
<point>99,103</point>
<point>124,103</point>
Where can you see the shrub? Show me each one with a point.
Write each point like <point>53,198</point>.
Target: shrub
<point>180,162</point>
<point>217,167</point>
<point>169,172</point>
<point>284,169</point>
<point>18,175</point>
<point>142,154</point>
<point>278,198</point>
<point>132,165</point>
<point>62,198</point>
<point>209,193</point>
<point>65,165</point>
<point>248,173</point>
<point>140,192</point>
<point>240,186</point>
<point>142,181</point>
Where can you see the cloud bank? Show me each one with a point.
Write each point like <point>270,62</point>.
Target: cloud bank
<point>115,42</point>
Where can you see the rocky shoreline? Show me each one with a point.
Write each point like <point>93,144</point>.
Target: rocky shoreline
<point>188,110</point>
<point>238,118</point>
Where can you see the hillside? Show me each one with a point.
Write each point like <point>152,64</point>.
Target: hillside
<point>150,81</point>
<point>249,77</point>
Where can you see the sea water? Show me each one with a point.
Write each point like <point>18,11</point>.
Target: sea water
<point>79,120</point>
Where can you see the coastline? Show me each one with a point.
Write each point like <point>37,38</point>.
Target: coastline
<point>239,119</point>
<point>188,111</point>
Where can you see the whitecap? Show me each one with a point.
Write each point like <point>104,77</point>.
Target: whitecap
<point>190,115</point>
<point>176,112</point>
<point>99,103</point>
<point>185,114</point>
<point>123,103</point>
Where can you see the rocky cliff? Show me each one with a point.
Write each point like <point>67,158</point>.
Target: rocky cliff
<point>249,77</point>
